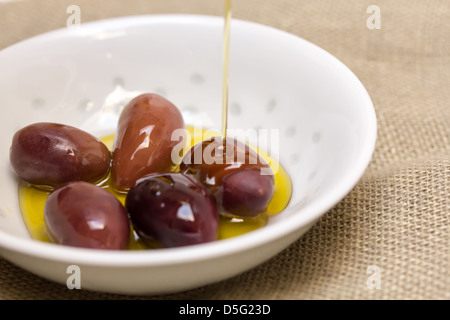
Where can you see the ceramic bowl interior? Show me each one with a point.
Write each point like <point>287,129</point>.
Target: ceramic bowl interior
<point>83,77</point>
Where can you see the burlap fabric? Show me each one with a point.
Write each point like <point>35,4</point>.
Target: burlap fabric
<point>396,218</point>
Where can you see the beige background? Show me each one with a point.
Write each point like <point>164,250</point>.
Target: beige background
<point>397,216</point>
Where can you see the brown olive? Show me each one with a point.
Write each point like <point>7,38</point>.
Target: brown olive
<point>49,154</point>
<point>239,178</point>
<point>84,215</point>
<point>144,142</point>
<point>246,193</point>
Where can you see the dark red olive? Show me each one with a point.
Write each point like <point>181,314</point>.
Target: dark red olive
<point>238,177</point>
<point>246,193</point>
<point>49,154</point>
<point>144,142</point>
<point>84,215</point>
<point>173,210</point>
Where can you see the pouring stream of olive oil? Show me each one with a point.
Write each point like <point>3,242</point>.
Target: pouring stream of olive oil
<point>226,59</point>
<point>32,199</point>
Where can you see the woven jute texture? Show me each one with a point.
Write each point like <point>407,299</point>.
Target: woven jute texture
<point>397,216</point>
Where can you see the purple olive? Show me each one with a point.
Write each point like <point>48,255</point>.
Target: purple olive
<point>172,209</point>
<point>84,215</point>
<point>246,193</point>
<point>143,142</point>
<point>50,154</point>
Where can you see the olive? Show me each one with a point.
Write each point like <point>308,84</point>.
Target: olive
<point>246,193</point>
<point>238,177</point>
<point>144,142</point>
<point>172,210</point>
<point>49,154</point>
<point>84,215</point>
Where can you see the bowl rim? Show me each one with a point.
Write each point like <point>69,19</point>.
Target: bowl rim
<point>200,252</point>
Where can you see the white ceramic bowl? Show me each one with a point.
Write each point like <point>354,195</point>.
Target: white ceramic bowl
<point>83,77</point>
